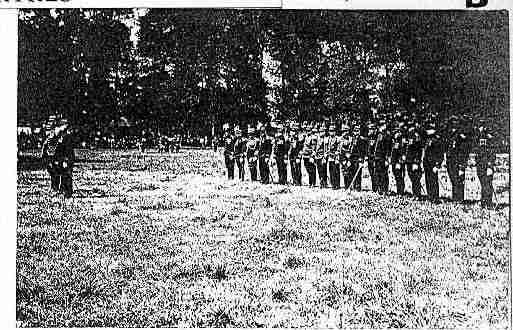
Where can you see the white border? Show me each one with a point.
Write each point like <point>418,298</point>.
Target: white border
<point>8,88</point>
<point>8,175</point>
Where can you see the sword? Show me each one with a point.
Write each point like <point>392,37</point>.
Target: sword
<point>356,175</point>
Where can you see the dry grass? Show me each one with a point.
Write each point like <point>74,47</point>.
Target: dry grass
<point>154,240</point>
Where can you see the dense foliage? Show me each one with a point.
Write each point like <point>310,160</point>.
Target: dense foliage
<point>194,68</point>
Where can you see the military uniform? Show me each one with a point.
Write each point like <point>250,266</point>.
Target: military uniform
<point>457,154</point>
<point>295,149</point>
<point>47,157</point>
<point>308,155</point>
<point>413,161</point>
<point>264,154</point>
<point>320,158</point>
<point>65,158</point>
<point>333,157</point>
<point>252,146</point>
<point>371,147</point>
<point>345,155</point>
<point>358,153</point>
<point>280,152</point>
<point>239,150</point>
<point>433,157</point>
<point>229,142</point>
<point>485,159</point>
<point>397,160</point>
<point>381,154</point>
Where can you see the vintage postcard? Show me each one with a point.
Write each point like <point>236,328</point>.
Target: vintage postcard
<point>343,166</point>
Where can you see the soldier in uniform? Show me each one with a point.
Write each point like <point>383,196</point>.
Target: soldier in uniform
<point>65,159</point>
<point>320,157</point>
<point>381,155</point>
<point>264,153</point>
<point>433,157</point>
<point>239,150</point>
<point>47,157</point>
<point>333,156</point>
<point>413,161</point>
<point>457,154</point>
<point>358,153</point>
<point>371,147</point>
<point>485,158</point>
<point>397,160</point>
<point>229,141</point>
<point>295,148</point>
<point>345,154</point>
<point>252,146</point>
<point>280,152</point>
<point>308,154</point>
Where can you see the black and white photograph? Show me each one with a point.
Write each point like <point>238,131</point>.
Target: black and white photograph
<point>250,168</point>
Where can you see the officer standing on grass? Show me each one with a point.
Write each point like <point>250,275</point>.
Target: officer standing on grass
<point>228,141</point>
<point>371,147</point>
<point>252,146</point>
<point>308,154</point>
<point>48,158</point>
<point>358,153</point>
<point>381,156</point>
<point>65,159</point>
<point>333,156</point>
<point>295,148</point>
<point>457,154</point>
<point>433,157</point>
<point>320,156</point>
<point>280,152</point>
<point>345,154</point>
<point>264,153</point>
<point>398,158</point>
<point>239,150</point>
<point>413,160</point>
<point>485,159</point>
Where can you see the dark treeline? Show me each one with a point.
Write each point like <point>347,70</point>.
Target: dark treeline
<point>195,69</point>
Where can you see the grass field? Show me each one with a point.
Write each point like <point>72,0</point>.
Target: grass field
<point>152,240</point>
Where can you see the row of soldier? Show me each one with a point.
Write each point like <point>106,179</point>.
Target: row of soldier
<point>331,151</point>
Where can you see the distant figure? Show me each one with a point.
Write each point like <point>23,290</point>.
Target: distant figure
<point>59,157</point>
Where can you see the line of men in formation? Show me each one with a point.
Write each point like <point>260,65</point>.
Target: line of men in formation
<point>343,150</point>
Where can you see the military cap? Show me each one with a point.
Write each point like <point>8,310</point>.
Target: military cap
<point>226,126</point>
<point>251,130</point>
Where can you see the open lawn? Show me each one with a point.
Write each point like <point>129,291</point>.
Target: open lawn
<point>165,240</point>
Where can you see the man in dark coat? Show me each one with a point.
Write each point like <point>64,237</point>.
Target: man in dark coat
<point>413,161</point>
<point>457,157</point>
<point>308,154</point>
<point>320,157</point>
<point>65,159</point>
<point>228,142</point>
<point>397,159</point>
<point>239,151</point>
<point>381,155</point>
<point>280,152</point>
<point>485,159</point>
<point>264,153</point>
<point>433,157</point>
<point>295,149</point>
<point>358,154</point>
<point>252,146</point>
<point>48,159</point>
<point>333,156</point>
